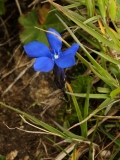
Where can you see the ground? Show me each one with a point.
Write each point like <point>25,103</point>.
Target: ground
<point>23,88</point>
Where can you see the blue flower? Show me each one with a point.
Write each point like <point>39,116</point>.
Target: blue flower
<point>47,58</point>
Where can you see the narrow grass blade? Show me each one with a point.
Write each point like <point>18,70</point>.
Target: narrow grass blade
<point>70,134</point>
<point>112,36</point>
<point>103,90</point>
<point>86,107</point>
<point>90,7</point>
<point>91,96</point>
<point>115,92</point>
<point>77,108</point>
<point>103,55</point>
<point>92,19</point>
<point>102,9</point>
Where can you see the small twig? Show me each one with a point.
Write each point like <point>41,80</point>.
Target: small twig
<point>33,3</point>
<point>45,148</point>
<point>29,82</point>
<point>5,20</point>
<point>8,73</point>
<point>110,117</point>
<point>108,144</point>
<point>25,130</point>
<point>50,32</point>
<point>17,78</point>
<point>38,127</point>
<point>2,44</point>
<point>19,8</point>
<point>15,51</point>
<point>16,67</point>
<point>44,131</point>
<point>49,105</point>
<point>6,32</point>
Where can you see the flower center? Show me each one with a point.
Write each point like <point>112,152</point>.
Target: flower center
<point>56,56</point>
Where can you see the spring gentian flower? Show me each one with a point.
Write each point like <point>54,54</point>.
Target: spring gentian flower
<point>46,58</point>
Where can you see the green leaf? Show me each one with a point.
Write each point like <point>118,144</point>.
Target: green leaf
<point>30,33</point>
<point>30,21</point>
<point>112,35</point>
<point>112,8</point>
<point>101,6</point>
<point>103,90</point>
<point>92,96</point>
<point>118,10</point>
<point>90,4</point>
<point>115,92</point>
<point>2,158</point>
<point>81,84</point>
<point>115,70</point>
<point>86,106</point>
<point>77,108</point>
<point>2,6</point>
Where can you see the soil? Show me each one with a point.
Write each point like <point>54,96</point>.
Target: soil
<point>23,88</point>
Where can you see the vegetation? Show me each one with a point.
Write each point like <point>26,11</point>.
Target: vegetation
<point>87,119</point>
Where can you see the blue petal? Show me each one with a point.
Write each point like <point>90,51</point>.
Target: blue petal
<point>54,40</point>
<point>72,50</point>
<point>37,49</point>
<point>65,61</point>
<point>43,64</point>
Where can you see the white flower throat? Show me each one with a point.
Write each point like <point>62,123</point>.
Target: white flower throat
<point>56,56</point>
